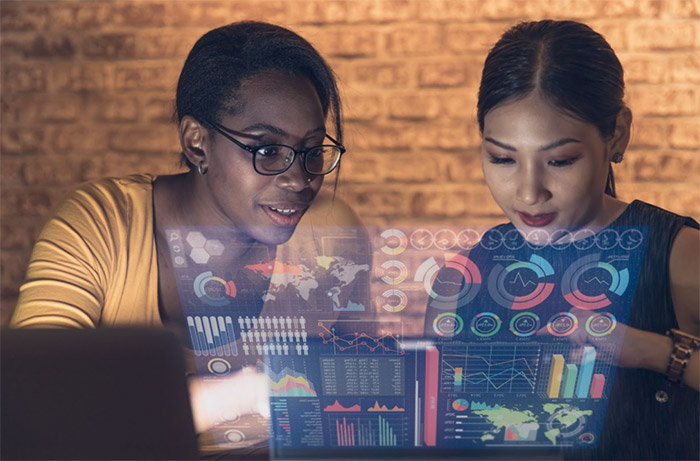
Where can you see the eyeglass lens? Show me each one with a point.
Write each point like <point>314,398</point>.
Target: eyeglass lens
<point>275,159</point>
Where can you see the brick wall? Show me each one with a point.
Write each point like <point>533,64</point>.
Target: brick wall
<point>88,86</point>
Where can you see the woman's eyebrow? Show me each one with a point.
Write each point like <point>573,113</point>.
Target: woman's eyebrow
<point>558,143</point>
<point>279,131</point>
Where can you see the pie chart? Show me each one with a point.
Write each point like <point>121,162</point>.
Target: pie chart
<point>460,405</point>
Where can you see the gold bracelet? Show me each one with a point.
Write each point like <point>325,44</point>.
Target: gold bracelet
<point>683,347</point>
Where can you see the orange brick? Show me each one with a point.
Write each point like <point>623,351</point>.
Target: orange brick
<point>379,137</point>
<point>473,37</point>
<point>82,15</point>
<point>81,77</point>
<point>159,108</point>
<point>23,140</point>
<point>412,106</point>
<point>158,44</point>
<point>199,13</point>
<point>156,138</point>
<point>451,135</point>
<point>11,170</point>
<point>109,46</point>
<point>17,78</point>
<point>362,106</point>
<point>112,108</point>
<point>622,9</point>
<point>648,133</point>
<point>50,46</point>
<point>146,76</point>
<point>449,10</point>
<point>522,10</point>
<point>343,41</point>
<point>413,40</point>
<point>667,100</point>
<point>664,35</point>
<point>356,11</point>
<point>390,74</point>
<point>684,67</point>
<point>448,72</point>
<point>14,265</point>
<point>25,202</point>
<point>41,108</point>
<point>20,234</point>
<point>460,103</point>
<point>684,133</point>
<point>71,138</point>
<point>23,16</point>
<point>51,171</point>
<point>134,14</point>
<point>671,166</point>
<point>644,68</point>
<point>683,8</point>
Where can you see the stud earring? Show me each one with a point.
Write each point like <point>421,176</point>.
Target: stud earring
<point>616,157</point>
<point>202,170</point>
<point>308,179</point>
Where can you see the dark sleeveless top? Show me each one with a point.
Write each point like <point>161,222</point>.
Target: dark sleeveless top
<point>638,425</point>
<point>647,416</point>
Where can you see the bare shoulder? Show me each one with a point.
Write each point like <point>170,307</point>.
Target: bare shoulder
<point>684,273</point>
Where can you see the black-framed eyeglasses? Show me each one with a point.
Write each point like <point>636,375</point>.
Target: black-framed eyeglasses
<point>274,159</point>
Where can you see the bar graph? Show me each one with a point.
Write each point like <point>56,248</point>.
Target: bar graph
<point>581,374</point>
<point>212,335</point>
<point>367,431</point>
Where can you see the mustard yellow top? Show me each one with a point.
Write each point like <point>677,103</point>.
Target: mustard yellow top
<point>94,262</point>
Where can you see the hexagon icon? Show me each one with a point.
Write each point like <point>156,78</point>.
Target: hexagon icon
<point>199,255</point>
<point>196,239</point>
<point>214,247</point>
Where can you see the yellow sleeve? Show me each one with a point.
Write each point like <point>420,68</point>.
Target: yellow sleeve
<point>76,259</point>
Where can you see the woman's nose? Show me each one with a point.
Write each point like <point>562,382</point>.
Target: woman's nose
<point>531,187</point>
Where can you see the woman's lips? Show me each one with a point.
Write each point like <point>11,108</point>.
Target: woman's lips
<point>539,220</point>
<point>285,214</point>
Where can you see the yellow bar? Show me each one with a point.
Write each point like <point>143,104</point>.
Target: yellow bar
<point>555,374</point>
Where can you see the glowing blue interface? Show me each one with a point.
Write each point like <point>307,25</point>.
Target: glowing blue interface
<point>406,337</point>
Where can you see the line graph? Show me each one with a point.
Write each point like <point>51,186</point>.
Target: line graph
<point>361,342</point>
<point>504,368</point>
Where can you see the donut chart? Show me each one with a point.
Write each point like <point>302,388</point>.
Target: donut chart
<point>454,286</point>
<point>394,242</point>
<point>448,324</point>
<point>212,290</point>
<point>562,324</point>
<point>599,279</point>
<point>521,276</point>
<point>393,300</point>
<point>486,324</point>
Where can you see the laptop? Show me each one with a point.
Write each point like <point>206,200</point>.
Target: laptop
<point>448,341</point>
<point>94,394</point>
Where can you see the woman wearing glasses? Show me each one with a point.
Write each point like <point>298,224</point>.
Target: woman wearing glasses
<point>553,121</point>
<point>253,101</point>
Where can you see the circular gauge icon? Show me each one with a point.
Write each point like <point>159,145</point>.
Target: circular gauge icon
<point>566,423</point>
<point>601,324</point>
<point>588,282</point>
<point>453,285</point>
<point>524,324</point>
<point>219,366</point>
<point>513,240</point>
<point>485,324</point>
<point>631,239</point>
<point>561,239</point>
<point>607,239</point>
<point>212,290</point>
<point>392,272</point>
<point>393,242</point>
<point>491,239</point>
<point>584,239</point>
<point>460,404</point>
<point>468,239</point>
<point>521,284</point>
<point>393,300</point>
<point>562,324</point>
<point>537,238</point>
<point>448,324</point>
<point>422,239</point>
<point>445,239</point>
